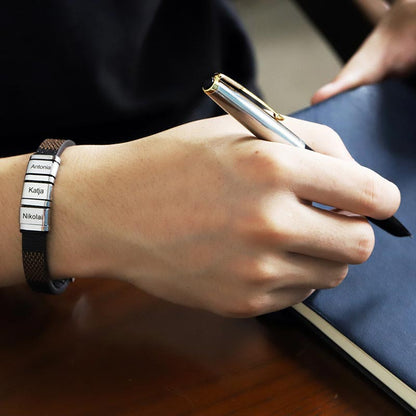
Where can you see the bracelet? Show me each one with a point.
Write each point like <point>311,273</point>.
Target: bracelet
<point>35,209</point>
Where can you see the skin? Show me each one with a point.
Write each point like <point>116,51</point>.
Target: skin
<point>206,215</point>
<point>390,50</point>
<point>374,10</point>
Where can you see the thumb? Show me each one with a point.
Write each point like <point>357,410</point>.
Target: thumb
<point>366,66</point>
<point>334,87</point>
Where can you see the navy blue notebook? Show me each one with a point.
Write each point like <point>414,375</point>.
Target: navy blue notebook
<point>371,316</point>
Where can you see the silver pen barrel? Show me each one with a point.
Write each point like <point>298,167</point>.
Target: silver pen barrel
<point>263,122</point>
<point>250,115</point>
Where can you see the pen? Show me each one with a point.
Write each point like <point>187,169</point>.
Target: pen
<point>265,123</point>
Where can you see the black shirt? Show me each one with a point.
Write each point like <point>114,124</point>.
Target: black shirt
<point>102,71</point>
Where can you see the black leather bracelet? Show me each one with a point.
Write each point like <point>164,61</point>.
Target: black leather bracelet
<point>35,213</point>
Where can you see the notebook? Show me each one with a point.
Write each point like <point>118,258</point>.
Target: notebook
<point>371,316</point>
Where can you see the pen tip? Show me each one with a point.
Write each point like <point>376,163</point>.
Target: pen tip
<point>393,226</point>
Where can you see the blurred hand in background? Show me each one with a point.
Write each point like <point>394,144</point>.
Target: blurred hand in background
<point>390,50</point>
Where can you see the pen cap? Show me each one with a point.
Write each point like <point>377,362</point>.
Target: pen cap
<point>246,111</point>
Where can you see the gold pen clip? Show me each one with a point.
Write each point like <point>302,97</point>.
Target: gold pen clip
<point>235,85</point>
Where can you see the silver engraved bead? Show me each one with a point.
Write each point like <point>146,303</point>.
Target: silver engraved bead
<point>37,190</point>
<point>34,219</point>
<point>42,167</point>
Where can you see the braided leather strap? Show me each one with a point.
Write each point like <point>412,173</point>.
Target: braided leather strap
<point>51,147</point>
<point>34,215</point>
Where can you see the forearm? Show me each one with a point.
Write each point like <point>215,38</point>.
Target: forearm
<point>67,256</point>
<point>12,171</point>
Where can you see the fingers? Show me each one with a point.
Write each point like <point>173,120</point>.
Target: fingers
<point>332,88</point>
<point>277,281</point>
<point>319,137</point>
<point>278,270</point>
<point>286,297</point>
<point>274,278</point>
<point>353,75</point>
<point>334,237</point>
<point>366,66</point>
<point>338,183</point>
<point>271,281</point>
<point>262,303</point>
<point>304,229</point>
<point>310,272</point>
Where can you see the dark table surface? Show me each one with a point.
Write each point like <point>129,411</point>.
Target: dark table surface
<point>105,348</point>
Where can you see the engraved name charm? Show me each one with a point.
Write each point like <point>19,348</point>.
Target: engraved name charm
<point>34,219</point>
<point>37,190</point>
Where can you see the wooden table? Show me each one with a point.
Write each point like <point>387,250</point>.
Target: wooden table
<point>105,348</point>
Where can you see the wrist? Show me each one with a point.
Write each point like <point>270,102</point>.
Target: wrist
<point>70,242</point>
<point>12,173</point>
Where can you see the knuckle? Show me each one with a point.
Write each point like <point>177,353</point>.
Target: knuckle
<point>246,307</point>
<point>258,164</point>
<point>379,197</point>
<point>331,134</point>
<point>370,193</point>
<point>252,220</point>
<point>283,164</point>
<point>329,142</point>
<point>365,243</point>
<point>264,165</point>
<point>258,272</point>
<point>261,224</point>
<point>281,232</point>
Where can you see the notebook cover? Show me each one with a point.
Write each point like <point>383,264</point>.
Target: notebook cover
<point>375,306</point>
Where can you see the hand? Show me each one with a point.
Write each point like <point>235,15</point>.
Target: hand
<point>208,216</point>
<point>389,50</point>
